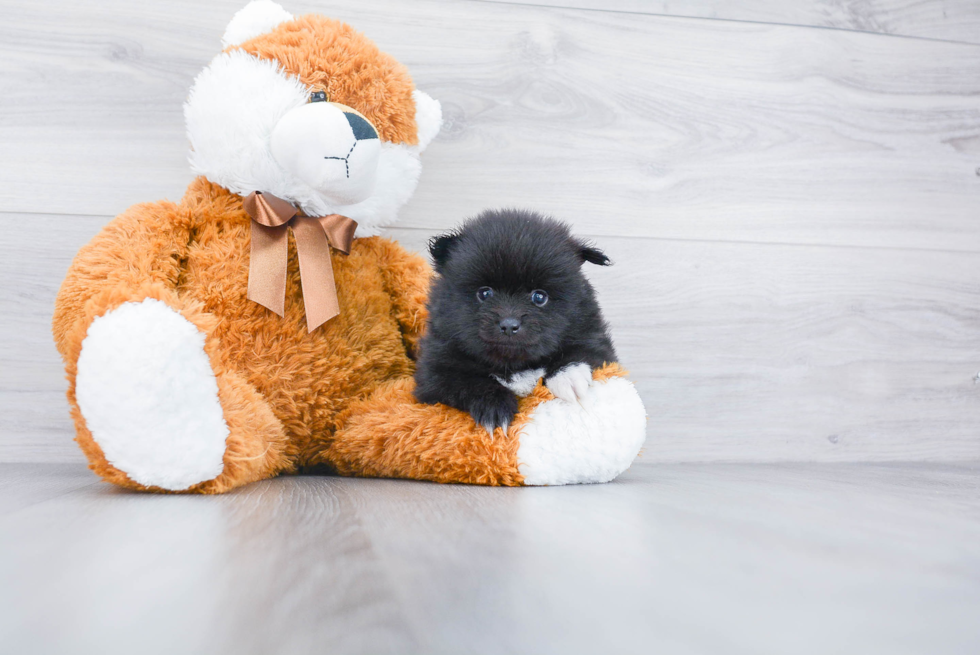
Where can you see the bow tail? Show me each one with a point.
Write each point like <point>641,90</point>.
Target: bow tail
<point>267,267</point>
<point>315,272</point>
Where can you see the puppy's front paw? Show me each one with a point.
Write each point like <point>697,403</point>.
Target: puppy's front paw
<point>571,383</point>
<point>494,410</point>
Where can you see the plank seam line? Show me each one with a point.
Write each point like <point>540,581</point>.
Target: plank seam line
<point>731,20</point>
<point>610,236</point>
<point>599,237</point>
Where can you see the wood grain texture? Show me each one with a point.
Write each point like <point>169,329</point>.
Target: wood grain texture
<point>624,124</point>
<point>670,558</point>
<point>34,420</point>
<point>250,573</point>
<point>766,352</point>
<point>741,352</point>
<point>948,20</point>
<point>792,210</point>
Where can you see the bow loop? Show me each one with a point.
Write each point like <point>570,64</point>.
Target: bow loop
<point>339,230</point>
<point>267,209</point>
<point>271,218</point>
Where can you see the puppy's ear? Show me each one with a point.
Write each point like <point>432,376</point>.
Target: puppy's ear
<point>440,247</point>
<point>593,255</point>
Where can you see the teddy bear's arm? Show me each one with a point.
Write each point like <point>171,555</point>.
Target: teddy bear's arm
<point>407,277</point>
<point>144,246</point>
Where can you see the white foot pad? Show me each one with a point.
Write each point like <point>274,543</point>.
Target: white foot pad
<point>592,441</point>
<point>149,397</point>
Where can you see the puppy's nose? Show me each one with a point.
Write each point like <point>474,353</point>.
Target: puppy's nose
<point>510,325</point>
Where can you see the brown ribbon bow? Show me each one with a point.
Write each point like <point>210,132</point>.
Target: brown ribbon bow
<point>271,217</point>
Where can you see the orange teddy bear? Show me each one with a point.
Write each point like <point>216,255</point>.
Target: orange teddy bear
<point>260,326</point>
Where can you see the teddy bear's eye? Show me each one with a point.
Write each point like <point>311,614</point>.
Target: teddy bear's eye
<point>483,293</point>
<point>318,96</point>
<point>539,297</point>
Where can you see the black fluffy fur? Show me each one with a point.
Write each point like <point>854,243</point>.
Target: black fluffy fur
<point>513,252</point>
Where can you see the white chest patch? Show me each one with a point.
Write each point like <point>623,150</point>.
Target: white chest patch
<point>522,383</point>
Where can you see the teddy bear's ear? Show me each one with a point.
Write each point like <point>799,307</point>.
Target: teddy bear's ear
<point>440,248</point>
<point>255,18</point>
<point>428,117</point>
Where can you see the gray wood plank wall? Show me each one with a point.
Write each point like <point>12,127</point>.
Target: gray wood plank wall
<point>946,20</point>
<point>793,211</point>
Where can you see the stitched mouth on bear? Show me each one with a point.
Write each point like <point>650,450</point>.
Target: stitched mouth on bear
<point>346,159</point>
<point>362,130</point>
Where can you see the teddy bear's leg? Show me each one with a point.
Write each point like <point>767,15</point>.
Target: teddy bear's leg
<point>155,404</point>
<point>550,442</point>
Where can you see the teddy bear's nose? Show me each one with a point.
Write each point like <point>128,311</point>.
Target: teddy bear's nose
<point>335,152</point>
<point>510,325</point>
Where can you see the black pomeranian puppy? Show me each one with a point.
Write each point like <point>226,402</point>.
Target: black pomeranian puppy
<point>510,304</point>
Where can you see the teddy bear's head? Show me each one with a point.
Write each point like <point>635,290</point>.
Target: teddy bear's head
<point>309,110</point>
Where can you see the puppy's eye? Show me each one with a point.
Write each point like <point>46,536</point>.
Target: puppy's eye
<point>539,297</point>
<point>483,293</point>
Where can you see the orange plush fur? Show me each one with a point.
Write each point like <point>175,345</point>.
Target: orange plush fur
<point>328,55</point>
<point>337,398</point>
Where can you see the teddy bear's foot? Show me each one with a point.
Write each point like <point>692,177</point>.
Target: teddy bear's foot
<point>157,414</point>
<point>149,397</point>
<point>593,439</point>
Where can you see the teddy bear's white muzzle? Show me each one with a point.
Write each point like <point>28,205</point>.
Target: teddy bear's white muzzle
<point>334,151</point>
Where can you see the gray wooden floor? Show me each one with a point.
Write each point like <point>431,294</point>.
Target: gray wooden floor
<point>696,558</point>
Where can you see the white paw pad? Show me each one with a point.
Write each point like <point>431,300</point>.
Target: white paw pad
<point>149,396</point>
<point>573,443</point>
<point>571,383</point>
